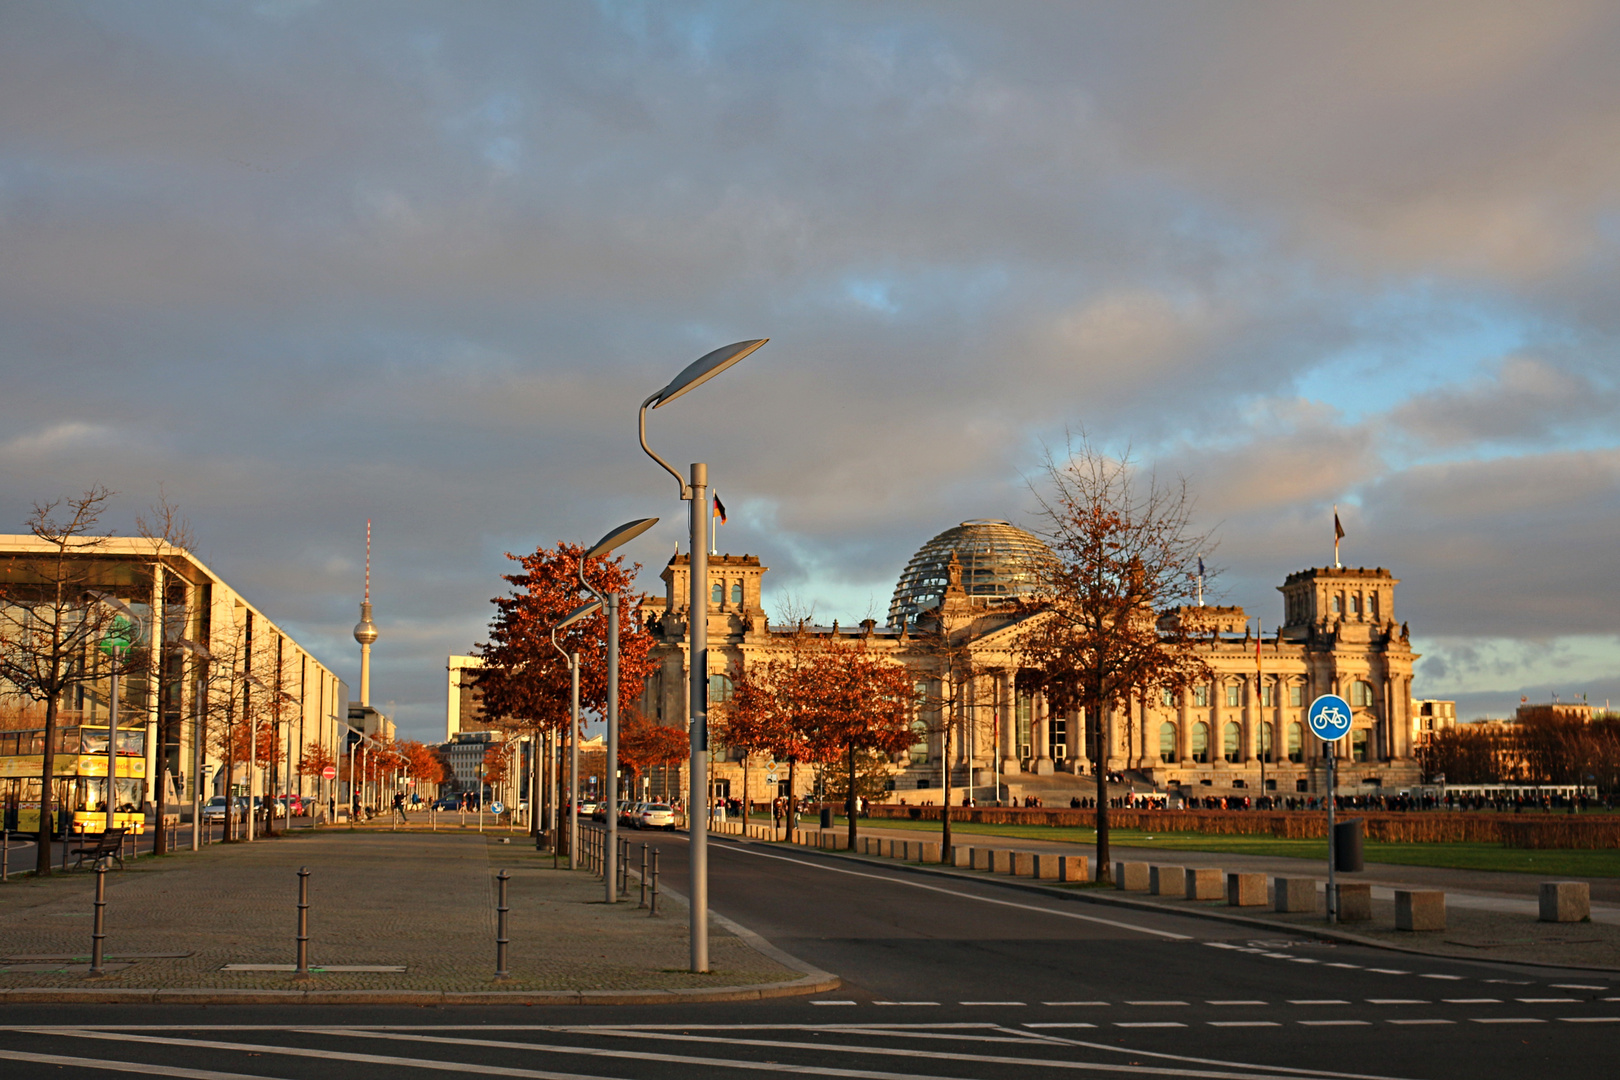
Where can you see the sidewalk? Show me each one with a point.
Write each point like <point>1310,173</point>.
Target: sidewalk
<point>1490,915</point>
<point>417,910</point>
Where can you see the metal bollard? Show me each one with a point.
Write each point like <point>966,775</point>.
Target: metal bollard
<point>5,856</point>
<point>500,926</point>
<point>303,922</point>
<point>98,932</point>
<point>643,876</point>
<point>623,865</point>
<point>654,910</point>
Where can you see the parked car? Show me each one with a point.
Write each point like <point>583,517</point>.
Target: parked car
<point>629,812</point>
<point>656,816</point>
<point>587,808</point>
<point>215,810</point>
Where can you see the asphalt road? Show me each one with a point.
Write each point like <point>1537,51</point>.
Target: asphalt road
<point>942,979</point>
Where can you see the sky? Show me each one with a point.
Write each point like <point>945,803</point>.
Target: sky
<point>295,265</point>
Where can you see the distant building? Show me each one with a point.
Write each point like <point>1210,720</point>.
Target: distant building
<point>1430,717</point>
<point>1554,710</point>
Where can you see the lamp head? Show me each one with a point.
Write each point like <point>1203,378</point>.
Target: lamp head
<point>584,611</point>
<point>622,535</point>
<point>705,368</point>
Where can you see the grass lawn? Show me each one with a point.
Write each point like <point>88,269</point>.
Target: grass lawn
<point>1458,856</point>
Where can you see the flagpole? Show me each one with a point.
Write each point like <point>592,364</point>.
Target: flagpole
<point>1260,694</point>
<point>1338,534</point>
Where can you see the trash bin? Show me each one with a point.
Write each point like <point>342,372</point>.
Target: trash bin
<point>1347,846</point>
<point>826,817</point>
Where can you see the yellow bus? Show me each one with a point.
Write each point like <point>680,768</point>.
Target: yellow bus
<point>79,783</point>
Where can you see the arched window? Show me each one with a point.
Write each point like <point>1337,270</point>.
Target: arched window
<point>1232,742</point>
<point>1372,604</point>
<point>736,592</point>
<point>919,746</point>
<point>1167,741</point>
<point>1337,605</point>
<point>1358,744</point>
<point>1355,603</point>
<point>1296,742</point>
<point>719,688</point>
<point>1361,694</point>
<point>1266,742</point>
<point>717,594</point>
<point>1200,743</point>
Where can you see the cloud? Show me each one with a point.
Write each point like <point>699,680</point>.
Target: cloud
<point>1524,400</point>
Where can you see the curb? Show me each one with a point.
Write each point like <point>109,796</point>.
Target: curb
<point>1108,900</point>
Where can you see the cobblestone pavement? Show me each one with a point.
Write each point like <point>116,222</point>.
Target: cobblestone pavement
<point>422,901</point>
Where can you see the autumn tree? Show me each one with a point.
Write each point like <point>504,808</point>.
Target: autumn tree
<point>645,745</point>
<point>51,622</point>
<point>769,710</point>
<point>524,681</point>
<point>167,533</point>
<point>1125,550</point>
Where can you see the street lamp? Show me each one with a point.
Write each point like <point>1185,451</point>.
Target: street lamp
<point>584,611</point>
<point>622,535</point>
<point>202,655</point>
<point>113,645</point>
<point>695,492</point>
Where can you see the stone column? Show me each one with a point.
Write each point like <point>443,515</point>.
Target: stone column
<point>1043,760</point>
<point>1184,731</point>
<point>1252,718</point>
<point>1079,748</point>
<point>1007,717</point>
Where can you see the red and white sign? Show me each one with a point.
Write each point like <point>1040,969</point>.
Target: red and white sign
<point>329,773</point>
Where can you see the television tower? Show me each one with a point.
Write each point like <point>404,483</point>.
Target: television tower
<point>365,631</point>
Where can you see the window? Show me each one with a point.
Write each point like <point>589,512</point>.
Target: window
<point>1337,605</point>
<point>1268,695</point>
<point>1167,698</point>
<point>1201,696</point>
<point>919,746</point>
<point>736,592</point>
<point>719,688</point>
<point>1296,695</point>
<point>1358,744</point>
<point>1232,742</point>
<point>1167,741</point>
<point>1355,603</point>
<point>1266,742</point>
<point>1200,743</point>
<point>1372,604</point>
<point>1057,730</point>
<point>1234,695</point>
<point>1296,742</point>
<point>1361,694</point>
<point>717,595</point>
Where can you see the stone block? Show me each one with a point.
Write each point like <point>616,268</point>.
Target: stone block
<point>1073,868</point>
<point>1355,902</point>
<point>1245,890</point>
<point>1420,909</point>
<point>1566,901</point>
<point>1131,876</point>
<point>929,852</point>
<point>1167,880</point>
<point>1204,883</point>
<point>961,856</point>
<point>1291,894</point>
<point>981,858</point>
<point>1046,866</point>
<point>1001,862</point>
<point>1023,864</point>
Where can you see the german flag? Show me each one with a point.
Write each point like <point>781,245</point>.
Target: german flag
<point>719,508</point>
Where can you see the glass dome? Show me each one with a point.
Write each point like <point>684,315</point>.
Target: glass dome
<point>999,563</point>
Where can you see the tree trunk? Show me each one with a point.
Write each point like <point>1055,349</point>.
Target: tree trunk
<point>791,818</point>
<point>42,860</point>
<point>1100,759</point>
<point>851,806</point>
<point>745,795</point>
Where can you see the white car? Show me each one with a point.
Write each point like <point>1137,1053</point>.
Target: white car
<point>655,816</point>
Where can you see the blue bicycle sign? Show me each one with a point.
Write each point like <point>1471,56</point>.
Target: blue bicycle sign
<point>1329,718</point>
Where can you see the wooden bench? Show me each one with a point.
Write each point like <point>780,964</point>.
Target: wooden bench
<point>109,844</point>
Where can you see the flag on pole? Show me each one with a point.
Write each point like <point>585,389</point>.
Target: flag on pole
<point>719,508</point>
<point>1338,534</point>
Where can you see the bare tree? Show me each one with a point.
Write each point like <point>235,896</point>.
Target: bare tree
<point>167,532</point>
<point>1125,550</point>
<point>50,625</point>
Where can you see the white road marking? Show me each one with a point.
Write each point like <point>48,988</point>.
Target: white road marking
<point>832,1003</point>
<point>1396,1001</point>
<point>905,1003</point>
<point>1547,1001</point>
<point>1062,1024</point>
<point>1575,986</point>
<point>1167,935</point>
<point>990,1003</point>
<point>142,1067</point>
<point>1420,1021</point>
<point>1473,1001</point>
<point>1087,1003</point>
<point>1155,1003</point>
<point>1590,1019</point>
<point>1334,1023</point>
<point>1349,967</point>
<point>1506,1020</point>
<point>1388,971</point>
<point>1303,960</point>
<point>1244,1023</point>
<point>1510,982</point>
<point>1316,1001</point>
<point>1453,978</point>
<point>1151,1024</point>
<point>1239,1002</point>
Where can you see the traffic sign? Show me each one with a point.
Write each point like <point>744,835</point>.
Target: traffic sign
<point>497,808</point>
<point>120,635</point>
<point>1329,718</point>
<point>329,773</point>
<point>770,779</point>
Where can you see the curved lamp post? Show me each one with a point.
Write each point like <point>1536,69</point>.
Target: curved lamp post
<point>114,646</point>
<point>695,492</point>
<point>584,611</point>
<point>622,535</point>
